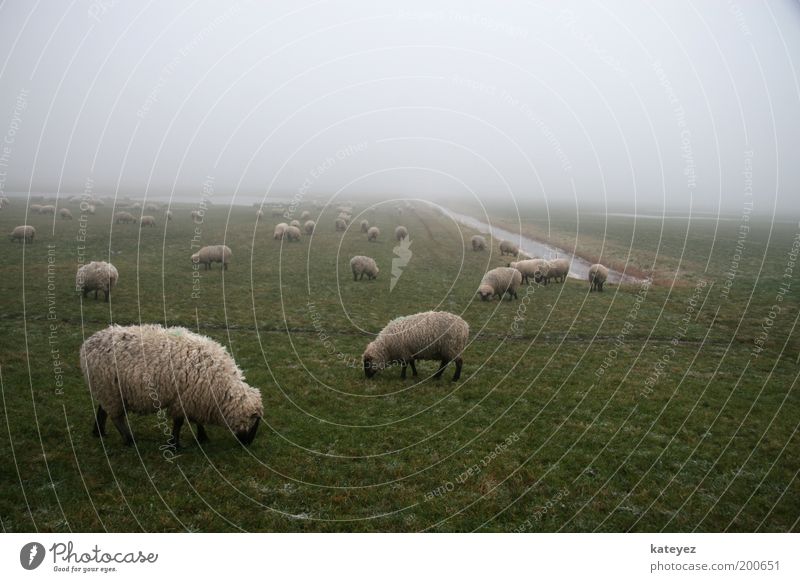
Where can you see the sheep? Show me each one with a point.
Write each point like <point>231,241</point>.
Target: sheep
<point>136,206</point>
<point>400,233</point>
<point>500,281</point>
<point>48,209</point>
<point>35,208</point>
<point>362,265</point>
<point>305,215</point>
<point>147,221</point>
<point>277,211</point>
<point>559,269</point>
<point>213,254</point>
<point>538,269</point>
<point>341,225</point>
<point>432,335</point>
<point>65,214</point>
<point>168,215</point>
<point>22,233</point>
<point>292,234</point>
<point>346,217</point>
<point>597,276</point>
<point>280,230</point>
<point>295,223</point>
<point>478,243</point>
<point>171,372</point>
<point>151,208</point>
<point>364,226</point>
<point>508,248</point>
<point>373,233</point>
<point>90,209</point>
<point>309,226</point>
<point>124,218</point>
<point>197,216</point>
<point>96,276</point>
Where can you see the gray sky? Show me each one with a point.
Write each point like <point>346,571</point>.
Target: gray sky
<point>620,102</point>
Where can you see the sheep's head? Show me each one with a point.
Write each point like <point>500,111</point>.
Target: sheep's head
<point>373,360</point>
<point>249,416</point>
<point>196,257</point>
<point>486,292</point>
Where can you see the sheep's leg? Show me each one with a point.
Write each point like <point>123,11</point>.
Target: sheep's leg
<point>440,371</point>
<point>121,422</point>
<point>85,292</point>
<point>95,294</point>
<point>225,266</point>
<point>177,424</point>
<point>355,277</point>
<point>403,370</point>
<point>459,362</point>
<point>107,292</point>
<point>99,429</point>
<point>202,437</point>
<point>413,367</point>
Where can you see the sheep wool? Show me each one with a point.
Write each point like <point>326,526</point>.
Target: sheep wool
<point>152,369</point>
<point>292,233</point>
<point>309,226</point>
<point>432,335</point>
<point>508,248</point>
<point>559,269</point>
<point>213,254</point>
<point>96,276</point>
<point>280,230</point>
<point>305,215</point>
<point>373,233</point>
<point>536,269</point>
<point>65,214</point>
<point>295,223</point>
<point>124,218</point>
<point>49,209</point>
<point>341,225</point>
<point>35,208</point>
<point>24,233</point>
<point>598,274</point>
<point>147,221</point>
<point>400,233</point>
<point>478,243</point>
<point>361,265</point>
<point>500,281</point>
<point>364,226</point>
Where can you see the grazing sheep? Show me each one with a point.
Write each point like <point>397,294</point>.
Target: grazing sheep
<point>168,215</point>
<point>295,223</point>
<point>373,233</point>
<point>213,254</point>
<point>147,221</point>
<point>151,208</point>
<point>433,335</point>
<point>478,243</point>
<point>598,274</point>
<point>341,225</point>
<point>168,371</point>
<point>292,233</point>
<point>48,209</point>
<point>559,269</point>
<point>508,248</point>
<point>362,265</point>
<point>96,276</point>
<point>65,214</point>
<point>277,211</point>
<point>364,226</point>
<point>197,216</point>
<point>36,208</point>
<point>536,269</point>
<point>124,218</point>
<point>400,233</point>
<point>280,230</point>
<point>305,215</point>
<point>500,281</point>
<point>22,233</point>
<point>309,226</point>
<point>136,206</point>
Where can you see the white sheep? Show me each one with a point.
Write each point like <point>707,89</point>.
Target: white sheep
<point>400,233</point>
<point>147,221</point>
<point>170,372</point>
<point>280,230</point>
<point>536,269</point>
<point>96,276</point>
<point>35,208</point>
<point>197,216</point>
<point>65,214</point>
<point>124,218</point>
<point>213,254</point>
<point>341,225</point>
<point>292,233</point>
<point>151,208</point>
<point>432,335</point>
<point>559,269</point>
<point>364,226</point>
<point>168,215</point>
<point>598,274</point>
<point>24,233</point>
<point>373,233</point>
<point>295,223</point>
<point>48,209</point>
<point>309,226</point>
<point>478,243</point>
<point>500,281</point>
<point>305,215</point>
<point>508,248</point>
<point>361,265</point>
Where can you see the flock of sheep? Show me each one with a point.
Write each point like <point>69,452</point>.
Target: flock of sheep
<point>195,378</point>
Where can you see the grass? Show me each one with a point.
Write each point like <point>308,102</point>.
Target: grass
<point>636,409</point>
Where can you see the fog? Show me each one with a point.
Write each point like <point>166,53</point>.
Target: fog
<point>677,106</point>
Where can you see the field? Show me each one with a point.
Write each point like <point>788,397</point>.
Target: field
<point>672,406</point>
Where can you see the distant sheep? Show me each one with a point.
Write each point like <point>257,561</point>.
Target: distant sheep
<point>478,243</point>
<point>559,269</point>
<point>151,208</point>
<point>309,226</point>
<point>341,225</point>
<point>35,208</point>
<point>400,233</point>
<point>147,221</point>
<point>48,209</point>
<point>293,234</point>
<point>152,369</point>
<point>508,248</point>
<point>361,265</point>
<point>124,218</point>
<point>373,233</point>
<point>65,214</point>
<point>500,281</point>
<point>280,230</point>
<point>598,274</point>
<point>536,269</point>
<point>197,216</point>
<point>168,215</point>
<point>213,254</point>
<point>432,335</point>
<point>364,226</point>
<point>136,206</point>
<point>24,233</point>
<point>305,215</point>
<point>295,223</point>
<point>96,276</point>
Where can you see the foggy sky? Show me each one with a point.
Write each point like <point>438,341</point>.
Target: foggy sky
<point>620,103</point>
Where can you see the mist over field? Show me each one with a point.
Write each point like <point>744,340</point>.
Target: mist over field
<point>678,107</point>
